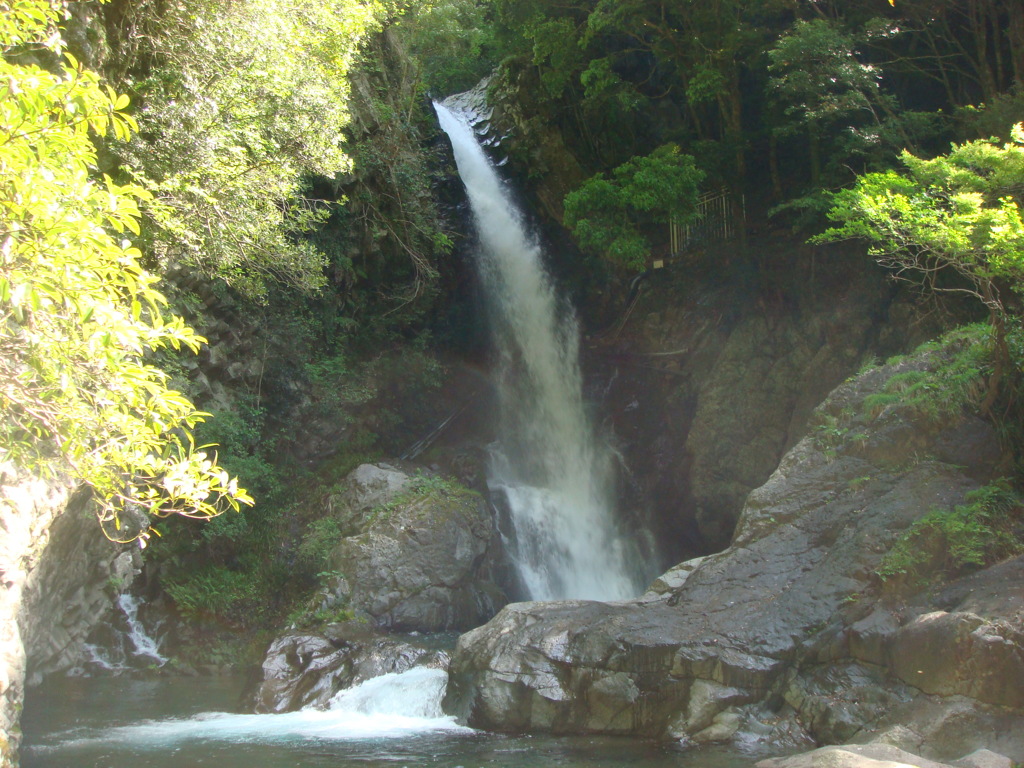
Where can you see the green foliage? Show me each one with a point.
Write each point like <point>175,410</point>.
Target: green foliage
<point>452,43</point>
<point>609,215</point>
<point>994,118</point>
<point>952,224</point>
<point>78,314</point>
<point>953,383</point>
<point>319,540</point>
<point>984,530</point>
<point>244,449</point>
<point>816,75</point>
<point>213,591</point>
<point>830,432</point>
<point>265,84</point>
<point>404,238</point>
<point>957,213</point>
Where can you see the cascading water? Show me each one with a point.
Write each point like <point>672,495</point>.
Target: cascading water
<point>144,645</point>
<point>554,473</point>
<point>126,644</point>
<point>391,706</point>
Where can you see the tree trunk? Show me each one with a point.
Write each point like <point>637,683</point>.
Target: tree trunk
<point>773,165</point>
<point>814,149</point>
<point>1015,38</point>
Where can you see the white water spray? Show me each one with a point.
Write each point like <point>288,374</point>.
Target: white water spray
<point>128,645</point>
<point>555,474</point>
<point>144,645</point>
<point>387,707</point>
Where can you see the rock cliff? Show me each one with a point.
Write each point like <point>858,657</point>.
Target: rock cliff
<point>788,634</point>
<point>59,577</point>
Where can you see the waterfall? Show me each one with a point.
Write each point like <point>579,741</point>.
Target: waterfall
<point>144,646</point>
<point>125,645</point>
<point>554,473</point>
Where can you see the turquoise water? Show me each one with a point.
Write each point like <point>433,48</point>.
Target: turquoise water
<point>173,721</point>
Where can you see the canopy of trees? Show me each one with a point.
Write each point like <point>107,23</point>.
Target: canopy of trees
<point>237,157</point>
<point>782,95</point>
<point>955,215</point>
<point>78,314</point>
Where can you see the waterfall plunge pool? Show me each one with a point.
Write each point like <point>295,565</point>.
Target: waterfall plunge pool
<point>166,721</point>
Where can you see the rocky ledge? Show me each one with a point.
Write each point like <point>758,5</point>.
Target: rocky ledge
<point>789,635</point>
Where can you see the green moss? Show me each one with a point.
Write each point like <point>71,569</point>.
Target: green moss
<point>423,489</point>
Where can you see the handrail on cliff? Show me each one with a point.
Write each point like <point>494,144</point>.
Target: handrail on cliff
<point>721,216</point>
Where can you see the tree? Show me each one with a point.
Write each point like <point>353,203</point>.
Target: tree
<point>958,214</point>
<point>609,215</point>
<point>451,42</point>
<point>265,84</point>
<point>79,317</point>
<point>817,76</point>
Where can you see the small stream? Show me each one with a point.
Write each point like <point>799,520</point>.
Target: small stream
<point>117,722</point>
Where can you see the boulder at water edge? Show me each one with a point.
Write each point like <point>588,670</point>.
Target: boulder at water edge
<point>307,669</point>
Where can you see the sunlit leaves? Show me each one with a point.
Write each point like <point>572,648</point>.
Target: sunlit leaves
<point>959,211</point>
<point>248,97</point>
<point>78,314</point>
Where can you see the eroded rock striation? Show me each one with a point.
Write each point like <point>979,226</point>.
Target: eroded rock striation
<point>788,634</point>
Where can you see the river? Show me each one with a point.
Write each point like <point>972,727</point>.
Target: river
<point>169,721</point>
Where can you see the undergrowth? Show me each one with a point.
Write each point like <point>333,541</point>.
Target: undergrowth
<point>954,381</point>
<point>987,528</point>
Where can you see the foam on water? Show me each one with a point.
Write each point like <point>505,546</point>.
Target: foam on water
<point>385,707</point>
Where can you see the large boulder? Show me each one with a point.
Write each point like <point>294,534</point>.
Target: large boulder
<point>880,756</point>
<point>424,557</point>
<point>790,619</point>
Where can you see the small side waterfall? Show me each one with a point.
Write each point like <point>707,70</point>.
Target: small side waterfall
<point>144,646</point>
<point>554,473</point>
<point>125,643</point>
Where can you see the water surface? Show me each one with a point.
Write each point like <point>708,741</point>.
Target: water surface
<point>163,722</point>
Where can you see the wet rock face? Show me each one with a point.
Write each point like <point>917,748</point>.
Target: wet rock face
<point>423,557</point>
<point>709,383</point>
<point>789,620</point>
<point>307,669</point>
<point>59,577</point>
